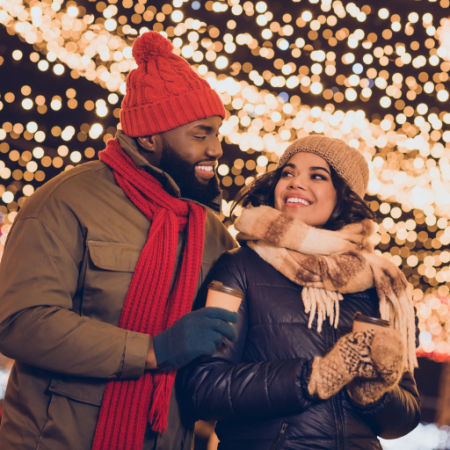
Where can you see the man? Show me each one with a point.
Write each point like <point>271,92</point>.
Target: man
<point>101,268</point>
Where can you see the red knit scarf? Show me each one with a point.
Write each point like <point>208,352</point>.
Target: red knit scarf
<point>149,307</point>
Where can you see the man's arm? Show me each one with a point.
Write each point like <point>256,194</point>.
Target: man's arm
<point>38,280</point>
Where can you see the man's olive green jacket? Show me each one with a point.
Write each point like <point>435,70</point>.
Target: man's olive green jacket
<point>66,268</point>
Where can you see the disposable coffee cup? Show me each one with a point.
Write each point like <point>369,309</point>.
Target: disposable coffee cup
<point>361,322</point>
<point>222,296</point>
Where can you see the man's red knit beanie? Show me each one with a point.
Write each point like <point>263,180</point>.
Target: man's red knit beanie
<point>164,92</point>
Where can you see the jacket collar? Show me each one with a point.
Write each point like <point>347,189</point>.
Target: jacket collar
<point>131,148</point>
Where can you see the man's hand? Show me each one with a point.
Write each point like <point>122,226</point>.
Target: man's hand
<point>197,333</point>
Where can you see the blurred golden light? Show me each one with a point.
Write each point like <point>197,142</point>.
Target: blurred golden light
<point>309,70</point>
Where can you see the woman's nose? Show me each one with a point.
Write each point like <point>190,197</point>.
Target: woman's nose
<point>297,182</point>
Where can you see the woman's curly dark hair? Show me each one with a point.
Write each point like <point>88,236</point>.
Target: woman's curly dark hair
<point>349,208</point>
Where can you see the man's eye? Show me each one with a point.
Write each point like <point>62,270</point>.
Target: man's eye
<point>200,137</point>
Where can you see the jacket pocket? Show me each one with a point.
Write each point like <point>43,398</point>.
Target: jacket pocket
<point>108,274</point>
<point>84,391</point>
<point>72,413</point>
<point>114,256</point>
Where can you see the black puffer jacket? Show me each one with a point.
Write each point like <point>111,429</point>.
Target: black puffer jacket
<point>256,387</point>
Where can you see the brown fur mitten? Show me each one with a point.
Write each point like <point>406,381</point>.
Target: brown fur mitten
<point>349,358</point>
<point>387,353</point>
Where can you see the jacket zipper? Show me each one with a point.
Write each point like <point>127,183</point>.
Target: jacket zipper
<point>279,437</point>
<point>337,408</point>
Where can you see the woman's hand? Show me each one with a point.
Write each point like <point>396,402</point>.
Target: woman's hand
<point>349,358</point>
<point>374,358</point>
<point>387,353</point>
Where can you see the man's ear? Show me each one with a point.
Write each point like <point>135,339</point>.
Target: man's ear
<point>151,143</point>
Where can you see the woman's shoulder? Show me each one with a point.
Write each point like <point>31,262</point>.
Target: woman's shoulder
<point>242,254</point>
<point>235,262</point>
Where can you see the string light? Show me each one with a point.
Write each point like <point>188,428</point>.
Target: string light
<point>319,68</point>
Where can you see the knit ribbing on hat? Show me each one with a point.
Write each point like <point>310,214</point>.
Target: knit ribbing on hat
<point>164,92</point>
<point>348,162</point>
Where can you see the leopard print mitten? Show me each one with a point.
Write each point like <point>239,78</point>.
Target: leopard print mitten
<point>349,358</point>
<point>387,353</point>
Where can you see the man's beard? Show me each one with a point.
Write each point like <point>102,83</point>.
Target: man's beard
<point>183,174</point>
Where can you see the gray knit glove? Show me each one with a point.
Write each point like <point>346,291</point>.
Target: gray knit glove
<point>349,358</point>
<point>387,353</point>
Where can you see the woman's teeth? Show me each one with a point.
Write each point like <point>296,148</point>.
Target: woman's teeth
<point>298,200</point>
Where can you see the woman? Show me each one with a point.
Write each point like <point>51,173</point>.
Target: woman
<point>297,376</point>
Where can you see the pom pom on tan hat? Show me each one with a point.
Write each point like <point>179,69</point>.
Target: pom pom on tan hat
<point>164,92</point>
<point>348,162</point>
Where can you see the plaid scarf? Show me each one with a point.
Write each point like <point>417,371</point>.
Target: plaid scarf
<point>328,264</point>
<point>149,307</point>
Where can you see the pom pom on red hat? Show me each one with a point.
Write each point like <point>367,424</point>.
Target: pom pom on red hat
<point>149,45</point>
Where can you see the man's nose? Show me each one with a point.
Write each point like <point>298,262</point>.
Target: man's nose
<point>214,148</point>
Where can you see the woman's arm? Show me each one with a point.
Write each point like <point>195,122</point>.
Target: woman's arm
<point>396,413</point>
<point>217,388</point>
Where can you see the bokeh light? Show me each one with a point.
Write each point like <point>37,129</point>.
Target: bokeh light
<point>374,74</point>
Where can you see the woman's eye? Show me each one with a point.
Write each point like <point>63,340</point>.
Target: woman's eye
<point>286,174</point>
<point>318,176</point>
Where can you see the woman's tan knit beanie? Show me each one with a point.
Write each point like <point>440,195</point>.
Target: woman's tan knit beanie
<point>348,162</point>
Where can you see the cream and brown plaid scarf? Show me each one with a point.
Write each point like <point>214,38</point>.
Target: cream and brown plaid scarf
<point>328,264</point>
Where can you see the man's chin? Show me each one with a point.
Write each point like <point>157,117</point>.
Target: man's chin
<point>203,181</point>
<point>200,191</point>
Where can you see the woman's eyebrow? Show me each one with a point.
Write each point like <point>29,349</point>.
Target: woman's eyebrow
<point>320,168</point>
<point>312,168</point>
